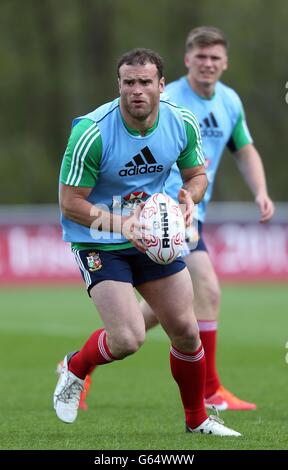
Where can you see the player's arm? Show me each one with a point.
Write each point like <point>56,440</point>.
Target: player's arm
<point>195,182</point>
<point>251,167</point>
<point>75,206</point>
<point>191,165</point>
<point>79,173</point>
<point>191,160</point>
<point>192,191</point>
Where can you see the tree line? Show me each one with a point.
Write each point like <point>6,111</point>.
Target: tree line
<point>58,61</point>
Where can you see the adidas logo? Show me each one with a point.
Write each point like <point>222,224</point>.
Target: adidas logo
<point>144,162</point>
<point>209,127</point>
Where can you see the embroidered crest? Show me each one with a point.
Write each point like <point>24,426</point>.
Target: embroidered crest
<point>94,262</point>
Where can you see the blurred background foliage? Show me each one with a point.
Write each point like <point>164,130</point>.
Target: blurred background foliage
<point>58,60</point>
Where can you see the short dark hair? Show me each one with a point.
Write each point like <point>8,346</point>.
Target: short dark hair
<point>205,36</point>
<point>141,56</point>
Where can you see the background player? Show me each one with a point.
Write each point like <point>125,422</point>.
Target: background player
<point>219,111</point>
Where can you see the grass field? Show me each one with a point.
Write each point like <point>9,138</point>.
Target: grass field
<point>134,404</point>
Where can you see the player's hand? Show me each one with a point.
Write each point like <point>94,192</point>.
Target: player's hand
<point>187,206</point>
<point>134,230</point>
<point>265,206</point>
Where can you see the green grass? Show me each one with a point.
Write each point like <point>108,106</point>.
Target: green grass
<point>134,403</point>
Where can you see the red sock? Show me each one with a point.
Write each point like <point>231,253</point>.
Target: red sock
<point>208,335</point>
<point>188,370</point>
<point>94,352</point>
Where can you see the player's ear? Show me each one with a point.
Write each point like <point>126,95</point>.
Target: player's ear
<point>225,65</point>
<point>162,84</point>
<point>187,60</point>
<point>119,85</point>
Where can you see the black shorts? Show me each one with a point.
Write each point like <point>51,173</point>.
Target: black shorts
<point>196,242</point>
<point>128,265</point>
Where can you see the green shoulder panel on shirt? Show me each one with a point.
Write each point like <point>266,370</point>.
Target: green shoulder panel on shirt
<point>240,135</point>
<point>192,155</point>
<point>81,161</point>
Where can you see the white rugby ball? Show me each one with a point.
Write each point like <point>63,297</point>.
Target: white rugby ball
<point>163,216</point>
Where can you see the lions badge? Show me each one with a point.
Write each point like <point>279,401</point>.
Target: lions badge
<point>94,262</point>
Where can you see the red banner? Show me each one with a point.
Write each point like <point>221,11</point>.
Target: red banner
<point>36,253</point>
<point>248,251</point>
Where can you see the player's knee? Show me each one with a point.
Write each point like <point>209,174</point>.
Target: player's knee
<point>127,343</point>
<point>186,336</point>
<point>190,338</point>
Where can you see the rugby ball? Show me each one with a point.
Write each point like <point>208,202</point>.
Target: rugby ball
<point>166,228</point>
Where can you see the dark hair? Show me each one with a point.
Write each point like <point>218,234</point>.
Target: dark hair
<point>205,36</point>
<point>141,56</point>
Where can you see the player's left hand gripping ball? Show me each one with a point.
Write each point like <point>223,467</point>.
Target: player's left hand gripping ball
<point>166,225</point>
